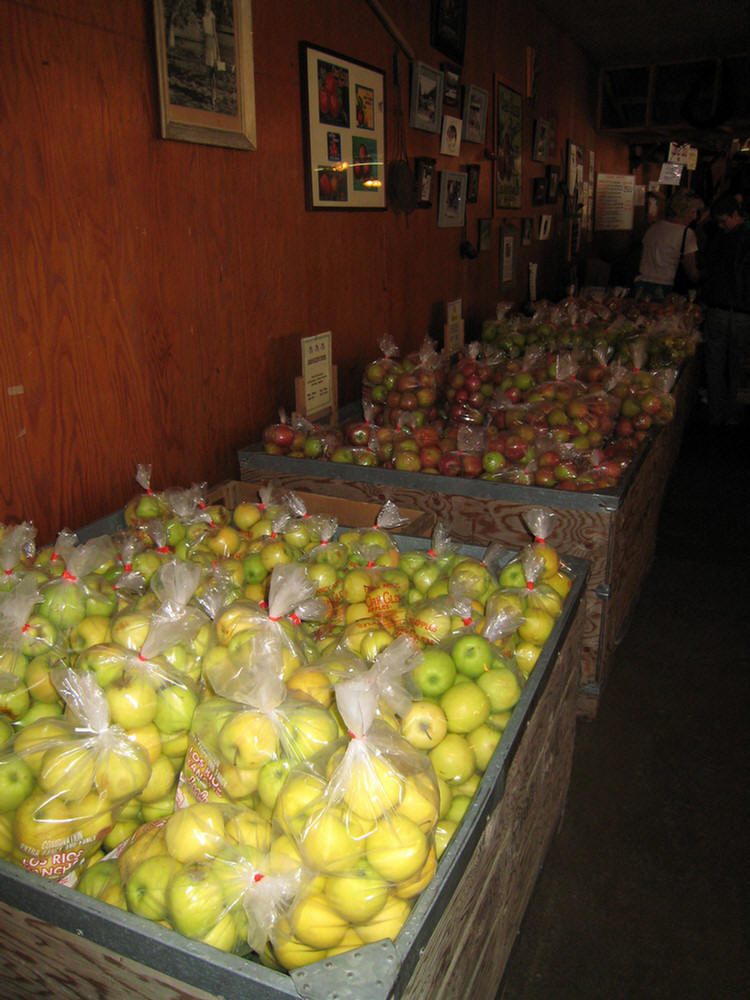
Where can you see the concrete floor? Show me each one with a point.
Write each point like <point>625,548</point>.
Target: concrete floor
<point>645,890</point>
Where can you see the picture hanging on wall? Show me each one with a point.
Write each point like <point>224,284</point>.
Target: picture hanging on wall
<point>206,92</point>
<point>452,206</point>
<point>452,85</point>
<point>508,137</point>
<point>476,101</point>
<point>539,190</point>
<point>448,28</point>
<point>553,183</point>
<point>424,171</point>
<point>426,104</point>
<point>540,148</point>
<point>472,183</point>
<point>343,124</point>
<point>450,140</point>
<point>527,231</point>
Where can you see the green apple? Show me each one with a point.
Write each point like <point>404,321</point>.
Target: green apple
<point>13,662</point>
<point>99,877</point>
<point>248,739</point>
<point>16,782</point>
<point>101,596</point>
<point>6,732</point>
<point>459,805</point>
<point>430,621</point>
<point>453,759</point>
<point>483,741</point>
<point>63,603</point>
<point>425,576</point>
<point>195,900</point>
<point>356,584</point>
<point>175,706</point>
<point>424,725</point>
<point>466,706</point>
<point>245,515</point>
<point>14,697</point>
<point>512,575</point>
<point>195,832</point>
<point>444,831</point>
<point>311,727</point>
<point>436,673</point>
<point>40,710</point>
<point>501,687</point>
<point>39,635</point>
<point>130,628</point>
<point>90,631</point>
<point>470,578</point>
<point>147,885</point>
<point>106,661</point>
<point>472,654</point>
<point>536,625</point>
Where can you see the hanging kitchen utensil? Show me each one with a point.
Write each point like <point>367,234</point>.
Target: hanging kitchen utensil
<point>402,186</point>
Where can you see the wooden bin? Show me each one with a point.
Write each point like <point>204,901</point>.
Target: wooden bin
<point>456,941</point>
<point>614,529</point>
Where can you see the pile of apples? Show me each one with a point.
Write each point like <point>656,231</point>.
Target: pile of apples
<point>174,713</point>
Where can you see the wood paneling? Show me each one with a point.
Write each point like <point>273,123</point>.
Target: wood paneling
<point>153,293</point>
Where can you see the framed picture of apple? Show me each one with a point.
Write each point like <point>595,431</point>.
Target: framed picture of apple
<point>343,125</point>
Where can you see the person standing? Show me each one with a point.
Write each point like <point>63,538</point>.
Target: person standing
<point>726,295</point>
<point>668,244</point>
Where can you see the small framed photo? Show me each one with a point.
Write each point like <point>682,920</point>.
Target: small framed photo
<point>424,173</point>
<point>476,102</point>
<point>540,149</point>
<point>451,85</point>
<point>426,105</point>
<point>472,183</point>
<point>484,237</point>
<point>539,190</point>
<point>452,205</point>
<point>553,183</point>
<point>527,231</point>
<point>545,226</point>
<point>450,140</point>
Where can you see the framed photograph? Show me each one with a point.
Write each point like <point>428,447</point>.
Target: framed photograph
<point>472,183</point>
<point>507,254</point>
<point>527,231</point>
<point>424,172</point>
<point>204,61</point>
<point>451,85</point>
<point>545,226</point>
<point>426,105</point>
<point>448,28</point>
<point>540,147</point>
<point>553,183</point>
<point>450,139</point>
<point>508,137</point>
<point>539,190</point>
<point>343,127</point>
<point>476,102</point>
<point>484,237</point>
<point>452,204</point>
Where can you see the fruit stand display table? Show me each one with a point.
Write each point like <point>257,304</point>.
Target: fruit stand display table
<point>615,529</point>
<point>456,941</point>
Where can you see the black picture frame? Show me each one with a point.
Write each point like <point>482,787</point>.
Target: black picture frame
<point>553,183</point>
<point>472,183</point>
<point>448,28</point>
<point>539,190</point>
<point>424,177</point>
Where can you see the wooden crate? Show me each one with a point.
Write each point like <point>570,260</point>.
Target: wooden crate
<point>615,530</point>
<point>59,943</point>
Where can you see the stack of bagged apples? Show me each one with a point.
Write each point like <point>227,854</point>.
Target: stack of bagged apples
<point>254,726</point>
<point>562,400</point>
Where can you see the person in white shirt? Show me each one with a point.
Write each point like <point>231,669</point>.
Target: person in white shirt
<point>667,245</point>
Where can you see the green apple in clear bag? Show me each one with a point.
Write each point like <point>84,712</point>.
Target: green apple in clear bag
<point>424,725</point>
<point>93,630</point>
<point>40,710</point>
<point>132,700</point>
<point>147,886</point>
<point>466,706</point>
<point>106,661</point>
<point>195,901</point>
<point>175,706</point>
<point>13,663</point>
<point>501,687</point>
<point>39,636</point>
<point>16,782</point>
<point>271,780</point>
<point>14,697</point>
<point>63,603</point>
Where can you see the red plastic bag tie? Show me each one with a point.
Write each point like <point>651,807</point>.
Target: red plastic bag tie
<point>149,492</point>
<point>295,619</point>
<point>539,538</point>
<point>163,549</point>
<point>276,619</point>
<point>9,572</point>
<point>529,584</point>
<point>262,604</point>
<point>257,877</point>
<point>68,576</point>
<point>370,564</point>
<point>26,627</point>
<point>202,504</point>
<point>431,552</point>
<point>128,567</point>
<point>468,620</point>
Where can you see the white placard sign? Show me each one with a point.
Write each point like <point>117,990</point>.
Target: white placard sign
<point>684,154</point>
<point>614,201</point>
<point>316,372</point>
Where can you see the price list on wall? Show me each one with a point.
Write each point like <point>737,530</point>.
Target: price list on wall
<point>614,201</point>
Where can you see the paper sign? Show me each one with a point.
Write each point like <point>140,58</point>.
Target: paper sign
<point>316,372</point>
<point>684,154</point>
<point>670,173</point>
<point>453,310</point>
<point>614,201</point>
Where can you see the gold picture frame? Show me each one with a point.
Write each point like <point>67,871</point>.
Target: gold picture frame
<point>206,72</point>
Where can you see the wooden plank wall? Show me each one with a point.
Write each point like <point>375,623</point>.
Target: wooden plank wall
<point>153,293</point>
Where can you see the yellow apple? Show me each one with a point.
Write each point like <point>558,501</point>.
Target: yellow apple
<point>146,888</point>
<point>397,848</point>
<point>247,828</point>
<point>536,626</point>
<point>412,887</point>
<point>466,706</point>
<point>358,895</point>
<point>349,942</point>
<point>313,682</point>
<point>122,771</point>
<point>316,923</point>
<point>225,934</point>
<point>453,759</point>
<point>483,741</point>
<point>527,654</point>
<point>195,900</point>
<point>290,952</point>
<point>162,781</point>
<point>501,687</point>
<point>373,784</point>
<point>149,738</point>
<point>311,728</point>
<point>387,923</point>
<point>420,801</point>
<point>443,833</point>
<point>41,824</point>
<point>248,739</point>
<point>300,790</point>
<point>424,725</point>
<point>195,832</point>
<point>68,770</point>
<point>132,700</point>
<point>325,843</point>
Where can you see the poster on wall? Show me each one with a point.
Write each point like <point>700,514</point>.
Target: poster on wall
<point>343,125</point>
<point>615,194</point>
<point>508,139</point>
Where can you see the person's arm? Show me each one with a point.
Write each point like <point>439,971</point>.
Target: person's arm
<point>690,266</point>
